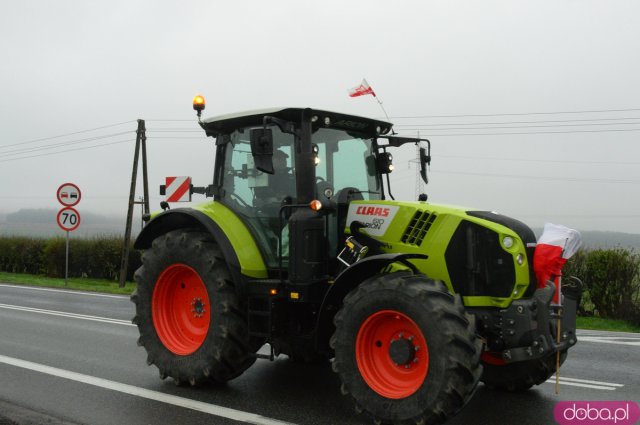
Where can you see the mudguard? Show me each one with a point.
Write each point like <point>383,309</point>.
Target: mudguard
<point>236,243</point>
<point>347,281</point>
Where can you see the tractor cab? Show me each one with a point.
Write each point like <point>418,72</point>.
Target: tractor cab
<point>272,165</point>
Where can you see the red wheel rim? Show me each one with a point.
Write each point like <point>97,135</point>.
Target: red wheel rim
<point>392,354</point>
<point>180,309</point>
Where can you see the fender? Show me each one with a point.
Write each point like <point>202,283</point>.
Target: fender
<point>236,243</point>
<point>348,280</point>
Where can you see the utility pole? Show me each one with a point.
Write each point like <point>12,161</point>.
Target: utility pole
<point>141,142</point>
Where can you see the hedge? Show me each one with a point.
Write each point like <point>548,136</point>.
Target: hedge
<point>611,279</point>
<point>98,257</point>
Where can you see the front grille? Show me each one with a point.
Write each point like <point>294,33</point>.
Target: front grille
<point>418,227</point>
<point>477,264</point>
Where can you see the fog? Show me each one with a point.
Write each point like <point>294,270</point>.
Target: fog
<point>532,107</point>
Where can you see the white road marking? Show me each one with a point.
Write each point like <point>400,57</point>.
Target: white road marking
<point>66,291</point>
<point>609,340</point>
<point>576,384</point>
<point>69,315</point>
<point>585,383</point>
<point>212,409</point>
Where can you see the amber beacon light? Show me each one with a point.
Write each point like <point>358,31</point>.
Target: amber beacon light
<point>198,104</point>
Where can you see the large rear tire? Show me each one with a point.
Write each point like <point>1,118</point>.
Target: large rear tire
<point>405,350</point>
<point>187,311</point>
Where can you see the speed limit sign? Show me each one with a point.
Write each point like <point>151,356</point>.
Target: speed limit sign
<point>68,219</point>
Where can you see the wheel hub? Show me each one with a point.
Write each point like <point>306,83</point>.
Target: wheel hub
<point>402,351</point>
<point>197,307</point>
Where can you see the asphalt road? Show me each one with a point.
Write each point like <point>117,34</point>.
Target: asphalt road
<point>71,358</point>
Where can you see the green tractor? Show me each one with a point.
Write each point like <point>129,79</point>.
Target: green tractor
<point>304,248</point>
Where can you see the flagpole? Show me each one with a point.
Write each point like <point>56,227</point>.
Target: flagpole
<point>365,88</point>
<point>381,107</point>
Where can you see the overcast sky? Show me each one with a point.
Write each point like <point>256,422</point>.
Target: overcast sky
<point>499,87</point>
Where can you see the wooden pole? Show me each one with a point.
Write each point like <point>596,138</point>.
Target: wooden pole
<point>124,264</point>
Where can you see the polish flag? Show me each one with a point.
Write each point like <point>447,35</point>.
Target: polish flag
<point>556,245</point>
<point>362,89</point>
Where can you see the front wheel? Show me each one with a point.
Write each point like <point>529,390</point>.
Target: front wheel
<point>405,350</point>
<point>187,311</point>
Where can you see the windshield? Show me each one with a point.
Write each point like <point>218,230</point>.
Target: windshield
<point>347,163</point>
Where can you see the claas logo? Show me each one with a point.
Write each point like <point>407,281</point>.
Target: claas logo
<point>376,211</point>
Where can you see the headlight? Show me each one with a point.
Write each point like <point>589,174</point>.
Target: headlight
<point>520,259</point>
<point>507,241</point>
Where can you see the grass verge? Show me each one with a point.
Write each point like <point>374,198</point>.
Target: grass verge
<point>597,323</point>
<point>82,284</point>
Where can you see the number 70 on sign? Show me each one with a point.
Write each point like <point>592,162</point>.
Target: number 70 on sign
<point>68,219</point>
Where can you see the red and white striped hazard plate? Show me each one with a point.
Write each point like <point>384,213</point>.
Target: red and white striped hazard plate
<point>178,189</point>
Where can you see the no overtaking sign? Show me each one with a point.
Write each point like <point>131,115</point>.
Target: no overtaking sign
<point>68,195</point>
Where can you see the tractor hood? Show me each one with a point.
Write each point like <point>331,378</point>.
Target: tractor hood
<point>464,246</point>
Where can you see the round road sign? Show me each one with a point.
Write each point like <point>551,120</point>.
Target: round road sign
<point>68,219</point>
<point>68,194</point>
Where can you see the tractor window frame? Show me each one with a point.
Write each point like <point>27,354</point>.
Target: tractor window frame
<point>254,196</point>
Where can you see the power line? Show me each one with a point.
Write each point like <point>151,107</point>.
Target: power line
<point>176,130</point>
<point>534,132</point>
<point>547,178</point>
<point>68,150</point>
<point>68,134</point>
<point>420,127</point>
<point>518,114</point>
<point>168,120</point>
<point>54,146</point>
<point>178,138</point>
<point>525,177</point>
<point>520,122</point>
<point>560,161</point>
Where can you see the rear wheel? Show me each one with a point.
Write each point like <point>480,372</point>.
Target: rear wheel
<point>187,311</point>
<point>405,350</point>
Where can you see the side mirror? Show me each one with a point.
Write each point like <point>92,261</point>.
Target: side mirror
<point>262,149</point>
<point>425,159</point>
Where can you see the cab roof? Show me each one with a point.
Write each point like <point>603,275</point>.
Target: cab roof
<point>224,124</point>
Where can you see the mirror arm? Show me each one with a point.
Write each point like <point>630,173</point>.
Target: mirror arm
<point>284,126</point>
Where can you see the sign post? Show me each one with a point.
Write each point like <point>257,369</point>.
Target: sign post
<point>68,218</point>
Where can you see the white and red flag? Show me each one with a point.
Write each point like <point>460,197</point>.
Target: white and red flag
<point>362,89</point>
<point>556,245</point>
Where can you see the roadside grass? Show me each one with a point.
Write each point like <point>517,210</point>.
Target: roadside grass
<point>599,324</point>
<point>82,284</point>
<point>109,287</point>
